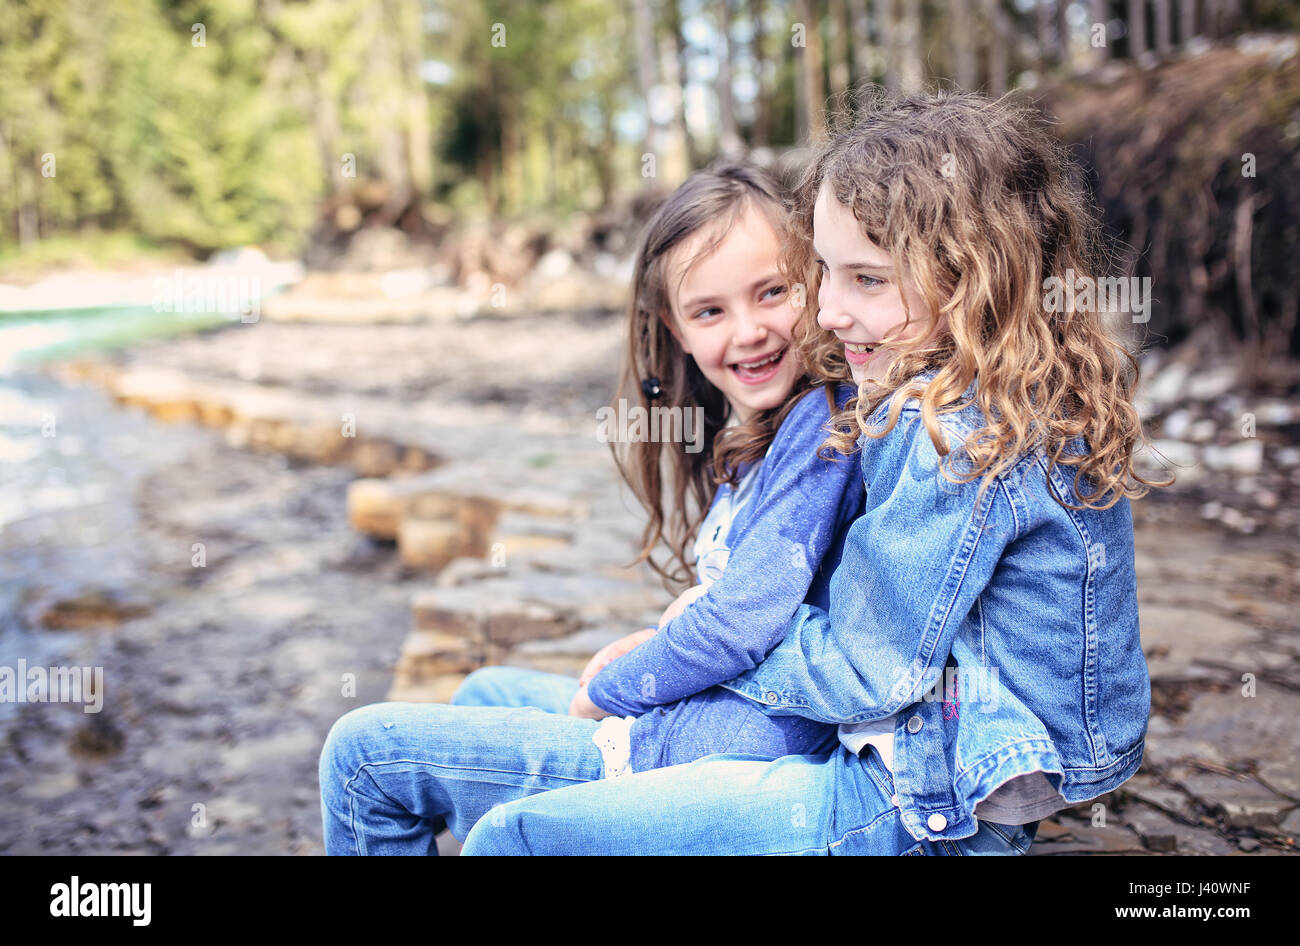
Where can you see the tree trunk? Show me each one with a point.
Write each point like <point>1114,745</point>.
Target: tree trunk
<point>861,39</point>
<point>1137,29</point>
<point>999,41</point>
<point>810,68</point>
<point>962,38</point>
<point>839,50</point>
<point>1100,13</point>
<point>887,23</point>
<point>729,141</point>
<point>1059,9</point>
<point>682,68</point>
<point>1164,24</point>
<point>761,132</point>
<point>912,71</point>
<point>1187,25</point>
<point>646,74</point>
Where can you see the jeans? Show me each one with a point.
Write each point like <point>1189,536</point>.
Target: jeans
<point>393,774</point>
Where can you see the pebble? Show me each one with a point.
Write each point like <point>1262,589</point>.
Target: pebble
<point>1244,457</point>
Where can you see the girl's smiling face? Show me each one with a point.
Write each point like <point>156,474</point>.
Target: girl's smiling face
<point>861,295</point>
<point>732,313</point>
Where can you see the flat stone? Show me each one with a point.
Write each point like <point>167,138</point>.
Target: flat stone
<point>1240,802</point>
<point>1158,831</point>
<point>1177,636</point>
<point>1082,838</point>
<point>1147,789</point>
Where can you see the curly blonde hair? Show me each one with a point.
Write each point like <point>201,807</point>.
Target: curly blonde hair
<point>978,204</point>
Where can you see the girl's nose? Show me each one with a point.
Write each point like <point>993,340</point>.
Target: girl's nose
<point>749,330</point>
<point>830,316</point>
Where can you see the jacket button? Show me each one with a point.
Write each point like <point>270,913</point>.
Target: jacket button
<point>893,800</point>
<point>936,822</point>
<point>772,697</point>
<point>914,724</point>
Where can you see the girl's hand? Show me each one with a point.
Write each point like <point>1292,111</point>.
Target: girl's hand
<point>583,707</point>
<point>614,651</point>
<point>679,605</point>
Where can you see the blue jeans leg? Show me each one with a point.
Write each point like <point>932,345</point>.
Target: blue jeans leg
<point>392,775</point>
<point>515,686</point>
<point>723,804</point>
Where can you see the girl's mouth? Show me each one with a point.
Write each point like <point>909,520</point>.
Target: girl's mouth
<point>858,353</point>
<point>759,370</point>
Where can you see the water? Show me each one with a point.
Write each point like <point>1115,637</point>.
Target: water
<point>31,337</point>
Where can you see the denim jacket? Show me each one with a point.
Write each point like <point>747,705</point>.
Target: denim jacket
<point>1034,604</point>
<point>785,545</point>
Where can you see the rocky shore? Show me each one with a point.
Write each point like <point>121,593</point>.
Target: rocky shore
<point>377,506</point>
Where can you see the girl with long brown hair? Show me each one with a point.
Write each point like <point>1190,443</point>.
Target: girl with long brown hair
<point>711,335</point>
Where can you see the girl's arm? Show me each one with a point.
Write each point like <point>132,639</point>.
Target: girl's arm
<point>913,566</point>
<point>804,503</point>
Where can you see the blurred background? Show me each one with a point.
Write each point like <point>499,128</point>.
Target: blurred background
<point>306,309</point>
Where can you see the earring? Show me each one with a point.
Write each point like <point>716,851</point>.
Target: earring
<point>651,388</point>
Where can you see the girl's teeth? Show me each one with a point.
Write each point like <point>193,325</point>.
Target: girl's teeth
<point>859,349</point>
<point>758,364</point>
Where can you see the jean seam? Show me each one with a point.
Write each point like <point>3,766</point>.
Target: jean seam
<point>353,795</point>
<point>993,826</point>
<point>451,768</point>
<point>870,826</point>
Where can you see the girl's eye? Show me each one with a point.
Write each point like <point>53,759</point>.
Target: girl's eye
<point>773,292</point>
<point>705,313</point>
<point>869,282</point>
<point>821,264</point>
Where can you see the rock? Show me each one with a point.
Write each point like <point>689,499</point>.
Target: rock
<point>1291,824</point>
<point>374,457</point>
<point>1083,838</point>
<point>495,613</point>
<point>1286,457</point>
<point>1210,384</point>
<point>1176,424</point>
<point>1179,456</point>
<point>91,609</point>
<point>1176,637</point>
<point>1235,519</point>
<point>429,543</point>
<point>1245,457</point>
<point>554,264</point>
<point>1158,831</point>
<point>1275,413</point>
<point>1167,386</point>
<point>1266,813</point>
<point>374,507</point>
<point>1202,431</point>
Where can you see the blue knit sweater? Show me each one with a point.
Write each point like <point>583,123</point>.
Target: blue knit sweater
<point>785,543</point>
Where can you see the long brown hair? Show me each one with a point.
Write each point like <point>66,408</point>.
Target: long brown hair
<point>677,487</point>
<point>978,204</point>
